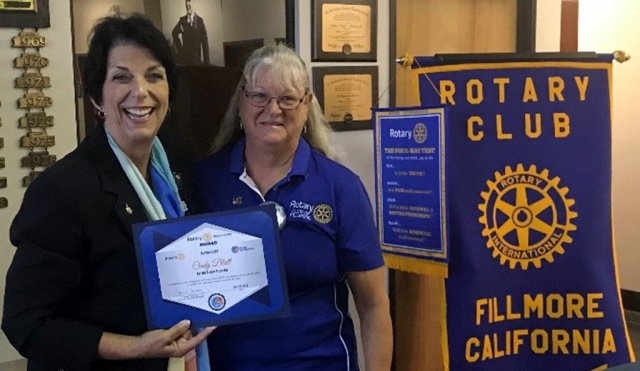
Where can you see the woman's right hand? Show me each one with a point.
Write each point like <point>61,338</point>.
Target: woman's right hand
<point>173,342</point>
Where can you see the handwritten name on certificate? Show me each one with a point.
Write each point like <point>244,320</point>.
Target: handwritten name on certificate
<point>211,268</point>
<point>344,24</point>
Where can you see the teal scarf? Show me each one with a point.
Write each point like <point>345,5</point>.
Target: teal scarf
<point>164,199</point>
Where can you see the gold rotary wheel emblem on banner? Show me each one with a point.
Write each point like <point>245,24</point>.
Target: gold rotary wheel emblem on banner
<point>322,213</point>
<point>526,216</point>
<point>420,133</point>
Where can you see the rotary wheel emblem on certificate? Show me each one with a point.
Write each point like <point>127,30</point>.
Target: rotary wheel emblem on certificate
<point>526,216</point>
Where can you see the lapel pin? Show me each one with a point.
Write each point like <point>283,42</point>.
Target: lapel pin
<point>128,209</point>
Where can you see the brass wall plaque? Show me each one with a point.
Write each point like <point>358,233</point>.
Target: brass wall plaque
<point>35,120</point>
<point>31,60</point>
<point>37,140</point>
<point>18,5</point>
<point>35,159</point>
<point>29,40</point>
<point>1,162</point>
<point>27,180</point>
<point>35,100</point>
<point>33,80</point>
<point>3,182</point>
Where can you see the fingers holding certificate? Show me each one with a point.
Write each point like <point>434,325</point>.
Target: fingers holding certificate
<point>212,269</point>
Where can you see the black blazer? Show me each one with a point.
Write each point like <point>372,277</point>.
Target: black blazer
<point>74,274</point>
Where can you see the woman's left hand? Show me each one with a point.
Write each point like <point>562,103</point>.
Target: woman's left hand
<point>173,342</point>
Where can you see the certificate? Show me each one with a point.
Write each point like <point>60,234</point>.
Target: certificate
<point>347,95</point>
<point>344,30</point>
<point>212,269</point>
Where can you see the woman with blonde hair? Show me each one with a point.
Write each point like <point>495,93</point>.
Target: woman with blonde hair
<point>274,145</point>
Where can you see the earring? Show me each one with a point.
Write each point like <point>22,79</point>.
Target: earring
<point>304,128</point>
<point>241,128</point>
<point>100,114</point>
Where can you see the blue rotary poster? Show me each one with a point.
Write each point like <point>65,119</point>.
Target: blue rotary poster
<point>532,276</point>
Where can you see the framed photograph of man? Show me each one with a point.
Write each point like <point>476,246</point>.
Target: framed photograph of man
<point>194,30</point>
<point>199,30</point>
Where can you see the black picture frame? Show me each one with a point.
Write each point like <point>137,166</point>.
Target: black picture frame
<point>347,123</point>
<point>346,54</point>
<point>26,19</point>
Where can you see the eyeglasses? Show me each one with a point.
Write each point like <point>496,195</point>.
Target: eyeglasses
<point>285,102</point>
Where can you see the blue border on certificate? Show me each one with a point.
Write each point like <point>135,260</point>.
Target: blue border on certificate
<point>269,302</point>
<point>410,162</point>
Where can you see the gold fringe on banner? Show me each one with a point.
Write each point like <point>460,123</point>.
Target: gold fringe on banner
<point>413,265</point>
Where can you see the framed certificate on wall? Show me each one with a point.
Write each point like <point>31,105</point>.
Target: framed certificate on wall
<point>344,30</point>
<point>347,95</point>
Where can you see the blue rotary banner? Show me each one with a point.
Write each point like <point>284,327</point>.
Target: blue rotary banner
<point>532,269</point>
<point>410,159</point>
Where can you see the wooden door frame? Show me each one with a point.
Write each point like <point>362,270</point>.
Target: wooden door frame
<point>525,42</point>
<point>525,39</point>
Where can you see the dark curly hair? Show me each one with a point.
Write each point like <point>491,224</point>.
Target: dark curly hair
<point>116,30</point>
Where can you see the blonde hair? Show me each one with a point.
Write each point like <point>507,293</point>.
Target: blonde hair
<point>289,71</point>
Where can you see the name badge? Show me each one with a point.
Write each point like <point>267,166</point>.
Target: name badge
<point>18,5</point>
<point>35,100</point>
<point>35,120</point>
<point>33,80</point>
<point>38,159</point>
<point>29,40</point>
<point>37,140</point>
<point>30,60</point>
<point>27,180</point>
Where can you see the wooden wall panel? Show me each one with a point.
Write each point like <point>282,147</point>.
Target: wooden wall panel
<point>569,26</point>
<point>427,27</point>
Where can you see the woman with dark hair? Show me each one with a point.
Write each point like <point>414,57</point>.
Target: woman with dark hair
<point>73,298</point>
<point>274,145</point>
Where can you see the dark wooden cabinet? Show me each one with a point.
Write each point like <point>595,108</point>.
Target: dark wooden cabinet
<point>200,103</point>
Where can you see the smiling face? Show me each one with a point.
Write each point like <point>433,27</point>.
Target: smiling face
<point>135,97</point>
<point>271,126</point>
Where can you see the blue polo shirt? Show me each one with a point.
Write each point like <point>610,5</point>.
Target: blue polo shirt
<point>330,230</point>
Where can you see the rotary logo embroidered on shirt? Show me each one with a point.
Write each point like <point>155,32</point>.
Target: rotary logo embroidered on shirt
<point>321,213</point>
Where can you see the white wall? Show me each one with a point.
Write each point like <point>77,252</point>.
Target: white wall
<point>548,25</point>
<point>211,13</point>
<point>605,26</point>
<point>254,19</point>
<point>87,12</point>
<point>357,145</point>
<point>60,70</point>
